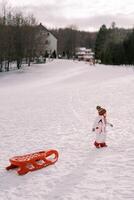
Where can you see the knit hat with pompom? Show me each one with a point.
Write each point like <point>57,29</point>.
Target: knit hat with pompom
<point>101,111</point>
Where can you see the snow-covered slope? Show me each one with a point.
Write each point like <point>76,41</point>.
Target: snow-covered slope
<point>52,106</point>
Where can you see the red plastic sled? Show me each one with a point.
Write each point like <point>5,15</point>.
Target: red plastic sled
<point>33,161</point>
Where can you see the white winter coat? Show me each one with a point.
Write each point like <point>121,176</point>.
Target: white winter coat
<point>99,127</point>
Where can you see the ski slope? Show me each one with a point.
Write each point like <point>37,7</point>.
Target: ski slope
<point>52,106</point>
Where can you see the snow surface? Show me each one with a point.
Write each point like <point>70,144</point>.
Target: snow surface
<point>52,106</point>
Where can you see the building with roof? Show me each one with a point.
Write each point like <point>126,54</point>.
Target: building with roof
<point>48,43</point>
<point>85,54</point>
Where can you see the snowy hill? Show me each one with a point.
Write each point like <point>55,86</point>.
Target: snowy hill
<point>52,106</point>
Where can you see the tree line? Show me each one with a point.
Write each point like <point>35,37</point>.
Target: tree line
<point>114,45</point>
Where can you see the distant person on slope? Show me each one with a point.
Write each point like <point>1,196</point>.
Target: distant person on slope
<point>99,128</point>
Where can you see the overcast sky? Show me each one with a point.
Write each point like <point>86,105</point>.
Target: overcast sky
<point>87,15</point>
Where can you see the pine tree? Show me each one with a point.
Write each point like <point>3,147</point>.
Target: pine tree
<point>100,42</point>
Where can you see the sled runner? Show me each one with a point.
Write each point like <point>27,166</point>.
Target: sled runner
<point>33,161</point>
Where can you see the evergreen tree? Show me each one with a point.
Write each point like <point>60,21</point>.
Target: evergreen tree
<point>100,43</point>
<point>129,48</point>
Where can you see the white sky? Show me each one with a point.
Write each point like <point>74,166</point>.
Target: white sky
<point>85,14</point>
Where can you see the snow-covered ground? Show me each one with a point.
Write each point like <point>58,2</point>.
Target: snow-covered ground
<point>52,106</point>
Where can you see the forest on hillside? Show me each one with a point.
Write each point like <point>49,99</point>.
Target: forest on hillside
<point>115,45</point>
<point>111,45</point>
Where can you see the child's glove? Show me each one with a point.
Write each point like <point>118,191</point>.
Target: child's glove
<point>111,125</point>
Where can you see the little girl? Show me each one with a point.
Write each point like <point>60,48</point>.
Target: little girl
<point>99,128</point>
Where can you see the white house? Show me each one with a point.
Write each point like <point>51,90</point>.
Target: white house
<point>49,41</point>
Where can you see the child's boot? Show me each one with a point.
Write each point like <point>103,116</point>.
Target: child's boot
<point>103,144</point>
<point>97,144</point>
